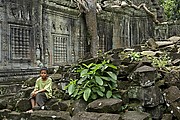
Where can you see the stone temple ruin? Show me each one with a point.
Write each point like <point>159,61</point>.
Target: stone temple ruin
<point>53,33</point>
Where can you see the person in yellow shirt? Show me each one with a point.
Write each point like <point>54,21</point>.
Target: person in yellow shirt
<point>42,91</point>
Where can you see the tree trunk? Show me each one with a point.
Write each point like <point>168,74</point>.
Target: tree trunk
<point>91,23</point>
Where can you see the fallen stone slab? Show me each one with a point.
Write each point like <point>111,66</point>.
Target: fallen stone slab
<point>4,113</point>
<point>17,116</point>
<point>176,62</point>
<point>64,105</point>
<point>78,106</point>
<point>164,43</point>
<point>8,89</point>
<point>151,96</point>
<point>144,76</point>
<point>148,96</point>
<point>167,117</point>
<point>152,44</point>
<point>155,112</point>
<point>23,105</point>
<point>25,92</point>
<point>175,109</point>
<point>105,105</point>
<point>174,39</point>
<point>172,78</point>
<point>172,94</point>
<point>50,115</point>
<point>3,104</point>
<point>135,115</point>
<point>96,116</point>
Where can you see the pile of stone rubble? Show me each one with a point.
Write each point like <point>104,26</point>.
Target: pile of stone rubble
<point>148,82</point>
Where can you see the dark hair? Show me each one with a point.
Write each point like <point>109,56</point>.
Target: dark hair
<point>44,68</point>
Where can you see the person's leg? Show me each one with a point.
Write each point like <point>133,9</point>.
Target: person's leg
<point>41,99</point>
<point>33,102</point>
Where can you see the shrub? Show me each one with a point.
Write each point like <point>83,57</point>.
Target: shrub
<point>96,80</point>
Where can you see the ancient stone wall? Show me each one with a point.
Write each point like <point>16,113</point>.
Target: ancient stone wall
<point>34,33</point>
<point>167,29</point>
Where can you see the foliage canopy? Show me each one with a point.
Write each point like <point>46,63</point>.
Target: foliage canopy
<point>171,8</point>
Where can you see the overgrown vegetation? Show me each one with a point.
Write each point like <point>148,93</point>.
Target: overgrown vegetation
<point>171,8</point>
<point>96,80</point>
<point>160,61</point>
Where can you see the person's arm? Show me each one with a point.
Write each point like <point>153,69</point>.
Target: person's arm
<point>35,88</point>
<point>48,87</point>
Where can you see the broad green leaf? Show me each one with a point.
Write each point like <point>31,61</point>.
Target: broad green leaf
<point>114,76</point>
<point>100,93</point>
<point>111,79</point>
<point>116,96</point>
<point>98,80</point>
<point>79,70</point>
<point>83,72</point>
<point>94,89</point>
<point>81,92</point>
<point>86,94</point>
<point>97,67</point>
<point>114,85</point>
<point>94,96</point>
<point>105,78</point>
<point>88,66</point>
<point>82,79</point>
<point>90,73</point>
<point>103,68</point>
<point>102,88</point>
<point>75,92</point>
<point>109,94</point>
<point>112,66</point>
<point>71,89</point>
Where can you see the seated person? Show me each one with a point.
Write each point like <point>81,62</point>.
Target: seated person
<point>42,91</point>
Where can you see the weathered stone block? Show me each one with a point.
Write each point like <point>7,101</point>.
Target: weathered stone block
<point>51,102</point>
<point>134,92</point>
<point>56,76</point>
<point>151,96</point>
<point>155,112</point>
<point>30,82</point>
<point>49,115</point>
<point>9,89</point>
<point>18,116</point>
<point>144,76</point>
<point>25,92</point>
<point>167,117</point>
<point>96,116</point>
<point>105,105</point>
<point>23,104</point>
<point>148,97</point>
<point>3,104</point>
<point>175,109</point>
<point>134,115</point>
<point>4,113</point>
<point>64,105</point>
<point>176,62</point>
<point>172,94</point>
<point>172,78</point>
<point>78,106</point>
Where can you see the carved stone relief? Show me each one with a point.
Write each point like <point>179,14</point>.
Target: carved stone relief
<point>20,42</point>
<point>0,42</point>
<point>20,10</point>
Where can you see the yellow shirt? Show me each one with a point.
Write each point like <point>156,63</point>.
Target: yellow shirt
<point>44,84</point>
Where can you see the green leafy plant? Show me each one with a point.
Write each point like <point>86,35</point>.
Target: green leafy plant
<point>95,81</point>
<point>171,8</point>
<point>160,62</point>
<point>133,56</point>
